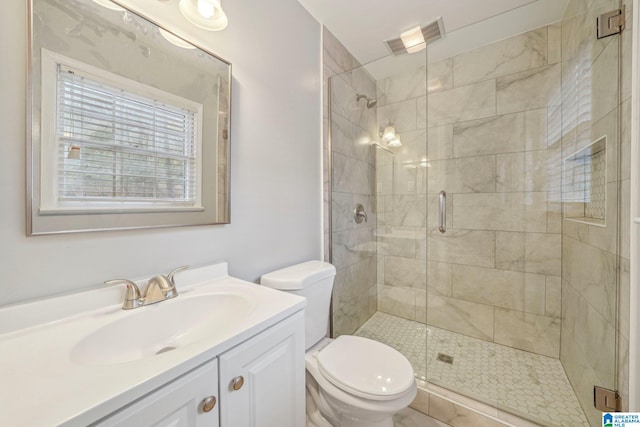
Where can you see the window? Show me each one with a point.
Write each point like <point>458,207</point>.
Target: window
<point>139,136</point>
<point>115,144</point>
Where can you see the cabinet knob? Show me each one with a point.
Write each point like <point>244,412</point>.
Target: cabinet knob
<point>237,383</point>
<point>209,403</point>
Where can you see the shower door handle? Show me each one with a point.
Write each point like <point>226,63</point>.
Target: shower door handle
<point>442,212</point>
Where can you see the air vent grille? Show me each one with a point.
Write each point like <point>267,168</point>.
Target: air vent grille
<point>431,32</point>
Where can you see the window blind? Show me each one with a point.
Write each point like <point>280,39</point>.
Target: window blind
<point>121,147</point>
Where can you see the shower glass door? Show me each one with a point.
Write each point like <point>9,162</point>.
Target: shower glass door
<point>522,239</point>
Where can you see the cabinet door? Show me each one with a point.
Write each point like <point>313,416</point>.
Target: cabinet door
<point>262,379</point>
<point>177,404</point>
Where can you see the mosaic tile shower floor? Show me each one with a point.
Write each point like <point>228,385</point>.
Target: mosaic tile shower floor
<point>529,385</point>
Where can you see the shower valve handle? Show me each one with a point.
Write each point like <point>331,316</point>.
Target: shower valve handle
<point>359,214</point>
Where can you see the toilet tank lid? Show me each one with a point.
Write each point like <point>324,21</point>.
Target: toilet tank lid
<point>298,276</point>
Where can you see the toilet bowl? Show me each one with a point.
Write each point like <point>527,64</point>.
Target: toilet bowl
<point>351,381</point>
<point>357,382</point>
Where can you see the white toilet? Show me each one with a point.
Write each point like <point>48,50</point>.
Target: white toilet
<point>351,381</point>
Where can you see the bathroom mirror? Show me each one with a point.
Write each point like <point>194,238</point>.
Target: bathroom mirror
<point>128,124</point>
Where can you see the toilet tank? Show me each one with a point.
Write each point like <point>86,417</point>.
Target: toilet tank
<point>314,281</point>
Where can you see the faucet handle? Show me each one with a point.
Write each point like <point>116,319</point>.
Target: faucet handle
<point>162,287</point>
<point>132,298</point>
<point>173,272</point>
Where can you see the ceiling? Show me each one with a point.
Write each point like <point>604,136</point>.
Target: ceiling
<point>363,25</point>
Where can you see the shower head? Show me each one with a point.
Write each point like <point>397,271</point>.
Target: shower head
<point>370,101</point>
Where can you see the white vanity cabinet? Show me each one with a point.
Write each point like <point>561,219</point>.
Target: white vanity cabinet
<point>109,370</point>
<point>257,383</point>
<point>262,379</point>
<point>179,403</point>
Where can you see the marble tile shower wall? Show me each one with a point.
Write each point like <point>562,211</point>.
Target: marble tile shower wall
<point>353,181</point>
<point>500,121</point>
<point>595,311</point>
<point>494,147</point>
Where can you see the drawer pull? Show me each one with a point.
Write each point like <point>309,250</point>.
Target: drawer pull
<point>209,403</point>
<point>237,383</point>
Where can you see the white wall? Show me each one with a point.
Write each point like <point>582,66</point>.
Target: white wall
<point>274,47</point>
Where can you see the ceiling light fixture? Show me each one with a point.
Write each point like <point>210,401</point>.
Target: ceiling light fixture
<point>424,162</point>
<point>108,4</point>
<point>391,137</point>
<point>416,39</point>
<point>175,40</point>
<point>413,40</point>
<point>206,9</point>
<point>205,14</point>
<point>395,143</point>
<point>388,134</point>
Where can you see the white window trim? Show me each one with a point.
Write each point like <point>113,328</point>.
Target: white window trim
<point>49,204</point>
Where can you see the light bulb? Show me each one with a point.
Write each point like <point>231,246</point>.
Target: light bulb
<point>109,5</point>
<point>394,143</point>
<point>389,133</point>
<point>206,9</point>
<point>205,14</point>
<point>413,40</point>
<point>175,40</point>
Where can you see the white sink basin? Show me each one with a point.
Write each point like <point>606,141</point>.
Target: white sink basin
<point>162,327</point>
<point>56,350</point>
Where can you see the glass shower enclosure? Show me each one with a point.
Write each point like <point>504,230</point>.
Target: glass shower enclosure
<point>490,182</point>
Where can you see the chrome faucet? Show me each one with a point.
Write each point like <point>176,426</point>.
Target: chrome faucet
<point>159,288</point>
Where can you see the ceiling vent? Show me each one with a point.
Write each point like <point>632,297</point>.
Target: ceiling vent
<point>416,39</point>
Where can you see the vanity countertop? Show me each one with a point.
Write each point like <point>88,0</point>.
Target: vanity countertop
<point>44,382</point>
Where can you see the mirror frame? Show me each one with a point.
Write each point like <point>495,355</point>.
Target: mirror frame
<point>32,214</point>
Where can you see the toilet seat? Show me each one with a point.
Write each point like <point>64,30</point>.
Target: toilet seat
<point>365,368</point>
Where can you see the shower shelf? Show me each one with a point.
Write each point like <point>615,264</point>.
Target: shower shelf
<point>585,184</point>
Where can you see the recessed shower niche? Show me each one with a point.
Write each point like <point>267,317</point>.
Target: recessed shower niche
<point>585,184</point>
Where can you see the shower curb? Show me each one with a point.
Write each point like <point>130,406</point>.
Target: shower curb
<point>457,410</point>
